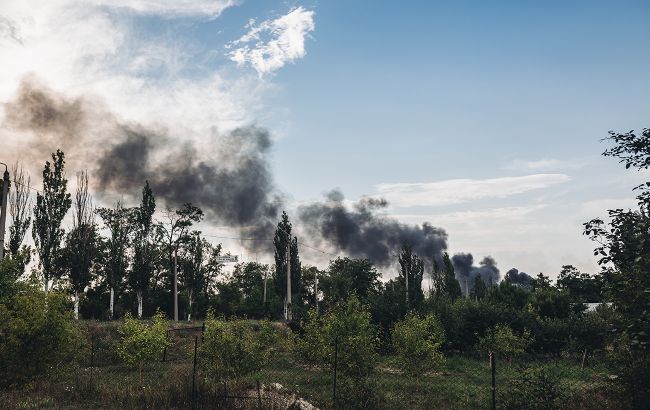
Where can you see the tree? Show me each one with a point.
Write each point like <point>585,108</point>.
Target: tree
<point>143,249</point>
<point>82,242</point>
<point>502,341</point>
<point>623,244</point>
<point>37,337</point>
<point>175,231</point>
<point>231,349</point>
<point>141,343</point>
<point>193,271</point>
<point>348,277</point>
<point>581,287</point>
<point>51,206</point>
<point>417,341</point>
<point>19,210</point>
<point>283,243</point>
<point>119,222</point>
<point>479,290</point>
<point>411,274</point>
<point>451,286</point>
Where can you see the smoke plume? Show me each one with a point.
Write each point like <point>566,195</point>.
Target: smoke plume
<point>466,272</point>
<point>519,278</point>
<point>362,232</point>
<point>228,177</point>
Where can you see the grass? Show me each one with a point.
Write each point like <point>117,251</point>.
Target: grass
<point>463,383</point>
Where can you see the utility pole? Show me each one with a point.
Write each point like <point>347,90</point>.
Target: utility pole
<point>287,309</point>
<point>3,213</point>
<point>176,283</point>
<point>316,289</point>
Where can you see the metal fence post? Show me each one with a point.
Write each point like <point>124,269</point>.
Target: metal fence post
<point>165,349</point>
<point>196,343</point>
<point>336,358</point>
<point>92,350</point>
<point>494,385</point>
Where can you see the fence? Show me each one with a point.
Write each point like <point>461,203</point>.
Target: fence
<point>469,380</point>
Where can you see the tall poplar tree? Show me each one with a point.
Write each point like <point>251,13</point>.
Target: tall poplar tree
<point>51,207</point>
<point>143,252</point>
<point>284,242</point>
<point>411,274</point>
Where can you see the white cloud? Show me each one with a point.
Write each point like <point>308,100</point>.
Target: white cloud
<point>269,45</point>
<point>457,191</point>
<point>209,8</point>
<point>92,49</point>
<point>546,164</point>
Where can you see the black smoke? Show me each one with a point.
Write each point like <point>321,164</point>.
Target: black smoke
<point>466,271</point>
<point>362,232</point>
<point>228,177</point>
<point>521,279</point>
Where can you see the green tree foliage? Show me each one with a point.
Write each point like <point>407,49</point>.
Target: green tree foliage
<point>624,243</point>
<point>118,221</point>
<point>37,336</point>
<point>284,242</point>
<point>231,349</point>
<point>503,342</point>
<point>141,342</point>
<point>348,277</point>
<point>417,341</point>
<point>144,252</point>
<point>83,242</point>
<point>411,274</point>
<point>346,329</point>
<point>479,290</point>
<point>581,287</point>
<point>243,293</point>
<point>19,210</point>
<point>451,287</point>
<point>51,206</point>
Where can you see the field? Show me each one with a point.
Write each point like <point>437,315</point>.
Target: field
<point>100,380</point>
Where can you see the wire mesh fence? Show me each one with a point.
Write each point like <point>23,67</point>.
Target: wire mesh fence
<point>468,380</point>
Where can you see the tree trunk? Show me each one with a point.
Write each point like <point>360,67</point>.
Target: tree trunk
<point>111,303</point>
<point>584,357</point>
<point>76,305</point>
<point>189,310</point>
<point>139,304</point>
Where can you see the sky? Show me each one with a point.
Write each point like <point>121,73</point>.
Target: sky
<point>483,118</point>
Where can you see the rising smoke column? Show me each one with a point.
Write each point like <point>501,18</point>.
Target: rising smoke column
<point>466,271</point>
<point>363,233</point>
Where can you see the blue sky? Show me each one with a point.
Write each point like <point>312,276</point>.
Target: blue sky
<point>483,118</point>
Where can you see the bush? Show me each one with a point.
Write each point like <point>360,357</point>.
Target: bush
<point>417,342</point>
<point>503,342</point>
<point>142,342</point>
<point>349,327</point>
<point>231,349</point>
<point>535,388</point>
<point>37,337</point>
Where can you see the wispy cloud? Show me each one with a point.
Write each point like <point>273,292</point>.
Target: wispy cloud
<point>545,164</point>
<point>457,191</point>
<point>209,8</point>
<point>271,44</point>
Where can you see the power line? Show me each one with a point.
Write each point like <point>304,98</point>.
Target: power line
<point>216,236</point>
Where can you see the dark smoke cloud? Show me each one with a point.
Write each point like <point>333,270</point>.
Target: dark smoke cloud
<point>231,182</point>
<point>361,232</point>
<point>519,278</point>
<point>466,272</point>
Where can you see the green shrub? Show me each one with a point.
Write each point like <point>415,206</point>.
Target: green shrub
<point>417,342</point>
<point>535,388</point>
<point>141,342</point>
<point>37,337</point>
<point>501,340</point>
<point>231,349</point>
<point>348,326</point>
